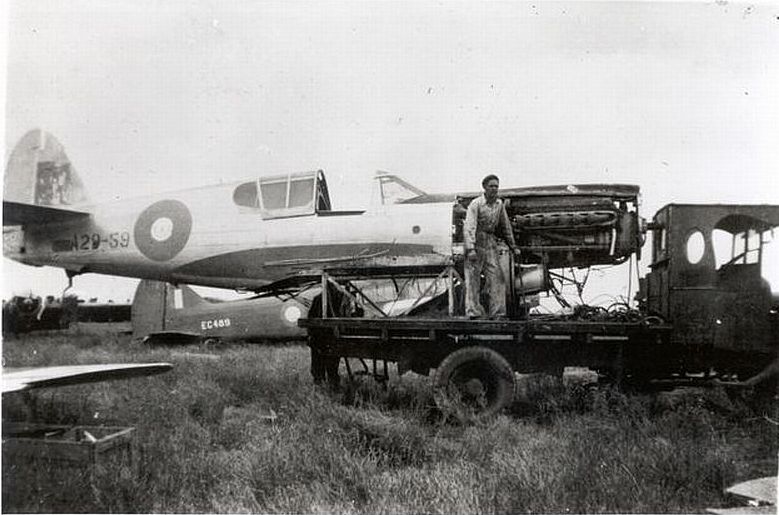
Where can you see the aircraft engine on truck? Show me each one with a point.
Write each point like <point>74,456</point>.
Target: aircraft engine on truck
<point>566,226</point>
<point>576,226</point>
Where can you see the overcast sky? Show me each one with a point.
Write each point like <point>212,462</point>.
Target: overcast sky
<point>679,98</point>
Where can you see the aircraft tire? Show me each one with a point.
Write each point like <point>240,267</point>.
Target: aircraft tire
<point>473,383</point>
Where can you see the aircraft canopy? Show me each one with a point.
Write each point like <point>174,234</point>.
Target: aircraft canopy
<point>283,196</point>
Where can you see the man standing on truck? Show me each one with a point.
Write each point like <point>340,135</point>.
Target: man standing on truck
<point>485,222</point>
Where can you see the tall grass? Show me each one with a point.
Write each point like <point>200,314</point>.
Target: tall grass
<point>205,443</point>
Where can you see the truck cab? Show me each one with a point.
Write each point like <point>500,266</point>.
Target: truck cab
<point>707,277</point>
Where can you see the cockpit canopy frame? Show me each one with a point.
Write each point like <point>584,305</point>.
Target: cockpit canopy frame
<point>283,196</point>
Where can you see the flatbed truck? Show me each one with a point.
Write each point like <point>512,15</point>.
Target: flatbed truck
<point>703,314</point>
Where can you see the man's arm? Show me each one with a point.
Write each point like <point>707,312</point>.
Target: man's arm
<point>469,226</point>
<point>508,233</point>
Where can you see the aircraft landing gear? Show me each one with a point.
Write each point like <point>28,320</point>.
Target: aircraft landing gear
<point>70,274</point>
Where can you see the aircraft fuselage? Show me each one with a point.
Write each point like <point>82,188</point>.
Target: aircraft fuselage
<point>202,236</point>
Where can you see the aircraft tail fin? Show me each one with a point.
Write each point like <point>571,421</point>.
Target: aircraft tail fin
<point>39,172</point>
<point>156,306</point>
<point>149,309</point>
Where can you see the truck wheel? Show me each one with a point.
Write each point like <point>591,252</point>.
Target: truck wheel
<point>473,383</point>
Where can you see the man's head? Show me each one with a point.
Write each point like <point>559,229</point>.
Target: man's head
<point>490,184</point>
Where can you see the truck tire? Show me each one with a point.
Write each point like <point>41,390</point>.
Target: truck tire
<point>473,383</point>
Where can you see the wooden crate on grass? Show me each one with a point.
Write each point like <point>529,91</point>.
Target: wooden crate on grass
<point>87,446</point>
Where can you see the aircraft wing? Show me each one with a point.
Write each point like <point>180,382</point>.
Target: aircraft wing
<point>19,379</point>
<point>18,213</point>
<point>760,494</point>
<point>763,490</point>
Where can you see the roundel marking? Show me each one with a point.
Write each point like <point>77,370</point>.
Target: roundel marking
<point>162,230</point>
<point>292,314</point>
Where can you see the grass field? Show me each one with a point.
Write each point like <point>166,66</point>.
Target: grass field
<point>204,444</point>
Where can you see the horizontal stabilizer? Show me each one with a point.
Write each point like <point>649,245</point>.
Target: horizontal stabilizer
<point>744,510</point>
<point>18,379</point>
<point>17,213</point>
<point>172,338</point>
<point>763,490</point>
<point>760,494</point>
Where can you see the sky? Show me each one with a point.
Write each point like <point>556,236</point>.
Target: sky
<point>147,96</point>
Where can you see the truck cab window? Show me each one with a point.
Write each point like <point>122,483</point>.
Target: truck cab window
<point>743,248</point>
<point>696,247</point>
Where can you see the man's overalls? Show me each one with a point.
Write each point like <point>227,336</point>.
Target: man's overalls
<point>483,223</point>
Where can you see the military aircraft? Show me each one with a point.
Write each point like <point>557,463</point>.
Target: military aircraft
<point>243,235</point>
<point>176,314</point>
<point>259,234</point>
<point>164,313</point>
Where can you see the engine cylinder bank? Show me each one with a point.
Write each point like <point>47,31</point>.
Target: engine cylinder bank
<point>565,220</point>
